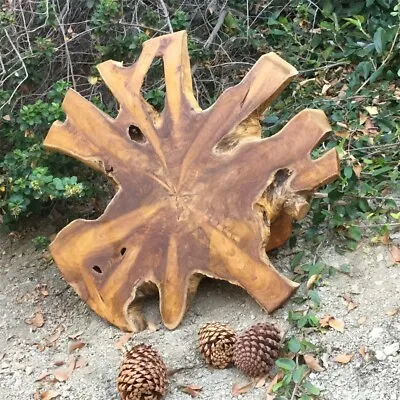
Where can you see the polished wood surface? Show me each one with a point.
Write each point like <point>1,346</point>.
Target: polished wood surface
<point>199,196</point>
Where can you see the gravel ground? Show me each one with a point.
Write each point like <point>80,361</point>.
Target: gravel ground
<point>30,284</point>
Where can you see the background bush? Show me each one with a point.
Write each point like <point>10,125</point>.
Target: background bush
<point>347,54</point>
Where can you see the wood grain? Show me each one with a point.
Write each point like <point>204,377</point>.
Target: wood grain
<point>199,197</point>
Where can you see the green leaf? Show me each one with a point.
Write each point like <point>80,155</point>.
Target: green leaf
<point>294,345</point>
<point>348,172</point>
<point>354,232</point>
<point>296,259</point>
<point>58,184</point>
<point>313,295</point>
<point>299,373</point>
<point>311,389</point>
<point>351,245</point>
<point>286,364</point>
<point>277,386</point>
<point>302,322</point>
<point>380,40</point>
<point>377,74</point>
<point>345,268</point>
<point>363,205</point>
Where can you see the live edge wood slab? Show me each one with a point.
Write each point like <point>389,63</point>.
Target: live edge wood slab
<point>202,195</point>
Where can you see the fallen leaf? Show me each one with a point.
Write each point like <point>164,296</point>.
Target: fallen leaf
<point>395,251</point>
<point>311,281</point>
<point>362,118</point>
<point>192,390</point>
<point>72,365</point>
<point>42,376</point>
<point>372,110</point>
<point>344,358</point>
<point>151,326</point>
<point>75,335</point>
<point>364,353</point>
<point>39,346</point>
<point>54,337</point>
<point>342,125</point>
<point>342,134</point>
<point>7,117</point>
<point>385,238</point>
<point>361,320</point>
<point>76,346</point>
<point>119,344</point>
<point>29,133</point>
<point>61,374</point>
<point>357,168</point>
<point>92,80</point>
<point>49,394</point>
<point>274,381</point>
<point>342,93</point>
<point>261,381</point>
<point>37,320</point>
<point>324,321</point>
<point>349,302</point>
<point>312,363</point>
<point>337,324</point>
<point>325,89</point>
<point>393,312</point>
<point>237,389</point>
<point>81,363</point>
<point>370,127</point>
<point>351,306</point>
<point>302,83</point>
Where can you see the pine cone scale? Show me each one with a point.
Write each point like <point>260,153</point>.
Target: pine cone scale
<point>256,349</point>
<point>143,375</point>
<point>216,343</point>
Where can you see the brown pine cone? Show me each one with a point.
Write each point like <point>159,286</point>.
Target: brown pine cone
<point>216,342</point>
<point>142,375</point>
<point>257,349</point>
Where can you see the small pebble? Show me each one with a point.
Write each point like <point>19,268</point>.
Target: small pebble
<point>392,349</point>
<point>380,355</point>
<point>376,333</point>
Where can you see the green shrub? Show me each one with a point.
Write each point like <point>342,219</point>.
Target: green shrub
<point>347,54</point>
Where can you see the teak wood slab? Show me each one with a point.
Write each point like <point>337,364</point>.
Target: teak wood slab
<point>199,197</point>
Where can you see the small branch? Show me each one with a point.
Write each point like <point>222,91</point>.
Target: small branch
<point>216,29</point>
<point>384,62</point>
<point>166,15</point>
<point>320,195</point>
<point>25,26</point>
<point>23,66</point>
<point>67,53</point>
<point>213,34</point>
<point>338,64</point>
<point>378,146</point>
<point>141,26</point>
<point>296,386</point>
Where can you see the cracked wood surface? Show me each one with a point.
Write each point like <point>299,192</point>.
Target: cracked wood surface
<point>199,197</point>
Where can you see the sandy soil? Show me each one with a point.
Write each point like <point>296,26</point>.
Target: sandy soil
<point>30,284</point>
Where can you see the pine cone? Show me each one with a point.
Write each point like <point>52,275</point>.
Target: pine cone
<point>256,349</point>
<point>143,375</point>
<point>216,343</point>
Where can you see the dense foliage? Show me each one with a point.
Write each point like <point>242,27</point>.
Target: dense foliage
<point>347,54</point>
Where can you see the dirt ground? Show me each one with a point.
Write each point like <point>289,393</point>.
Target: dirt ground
<point>30,284</point>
